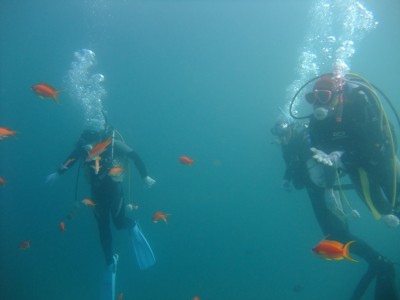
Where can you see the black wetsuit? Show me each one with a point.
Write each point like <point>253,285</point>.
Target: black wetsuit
<point>364,138</point>
<point>107,193</point>
<point>296,153</point>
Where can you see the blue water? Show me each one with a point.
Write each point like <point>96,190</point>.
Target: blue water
<point>197,78</point>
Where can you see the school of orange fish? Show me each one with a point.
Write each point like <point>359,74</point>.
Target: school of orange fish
<point>326,249</point>
<point>46,91</point>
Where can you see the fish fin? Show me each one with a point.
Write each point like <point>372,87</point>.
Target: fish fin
<point>346,251</point>
<point>55,98</point>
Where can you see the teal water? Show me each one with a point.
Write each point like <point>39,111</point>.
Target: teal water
<point>197,78</point>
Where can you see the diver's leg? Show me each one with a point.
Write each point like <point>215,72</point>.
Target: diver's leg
<point>102,214</point>
<point>386,285</point>
<point>121,221</point>
<point>336,228</point>
<point>363,284</point>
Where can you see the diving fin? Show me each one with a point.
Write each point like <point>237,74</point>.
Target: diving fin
<point>107,291</point>
<point>144,254</point>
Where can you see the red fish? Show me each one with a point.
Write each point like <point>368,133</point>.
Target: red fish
<point>98,149</point>
<point>62,226</point>
<point>116,171</point>
<point>66,165</point>
<point>25,245</point>
<point>44,90</point>
<point>333,250</point>
<point>6,132</point>
<point>3,182</point>
<point>186,160</point>
<point>196,298</point>
<point>88,202</point>
<point>121,296</point>
<point>160,215</point>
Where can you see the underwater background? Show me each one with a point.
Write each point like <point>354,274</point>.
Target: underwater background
<point>204,79</point>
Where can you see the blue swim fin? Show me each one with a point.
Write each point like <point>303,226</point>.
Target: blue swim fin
<point>144,254</point>
<point>107,291</point>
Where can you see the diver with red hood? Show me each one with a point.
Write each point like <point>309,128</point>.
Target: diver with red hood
<point>348,133</point>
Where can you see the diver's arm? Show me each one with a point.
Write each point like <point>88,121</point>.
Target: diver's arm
<point>71,160</point>
<point>139,164</point>
<point>124,149</point>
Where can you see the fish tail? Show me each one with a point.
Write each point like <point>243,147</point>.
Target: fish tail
<point>346,251</point>
<point>55,99</point>
<point>55,96</point>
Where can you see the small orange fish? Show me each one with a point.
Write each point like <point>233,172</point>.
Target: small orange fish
<point>96,166</point>
<point>196,298</point>
<point>116,171</point>
<point>62,226</point>
<point>98,149</point>
<point>160,215</point>
<point>121,296</point>
<point>25,245</point>
<point>44,90</point>
<point>3,182</point>
<point>6,132</point>
<point>88,202</point>
<point>66,165</point>
<point>333,250</point>
<point>186,160</point>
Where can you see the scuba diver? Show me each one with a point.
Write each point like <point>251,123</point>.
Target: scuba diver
<point>294,140</point>
<point>350,131</point>
<point>105,159</point>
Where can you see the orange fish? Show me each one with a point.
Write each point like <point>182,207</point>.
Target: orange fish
<point>3,182</point>
<point>333,250</point>
<point>98,149</point>
<point>196,298</point>
<point>116,171</point>
<point>67,163</point>
<point>25,245</point>
<point>44,90</point>
<point>96,166</point>
<point>186,160</point>
<point>6,132</point>
<point>160,215</point>
<point>88,202</point>
<point>62,226</point>
<point>121,296</point>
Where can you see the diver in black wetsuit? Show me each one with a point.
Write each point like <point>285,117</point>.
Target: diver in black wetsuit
<point>106,181</point>
<point>294,140</point>
<point>349,128</point>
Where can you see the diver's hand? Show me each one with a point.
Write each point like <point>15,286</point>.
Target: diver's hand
<point>50,179</point>
<point>321,156</point>
<point>148,181</point>
<point>331,160</point>
<point>391,220</point>
<point>335,159</point>
<point>286,185</point>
